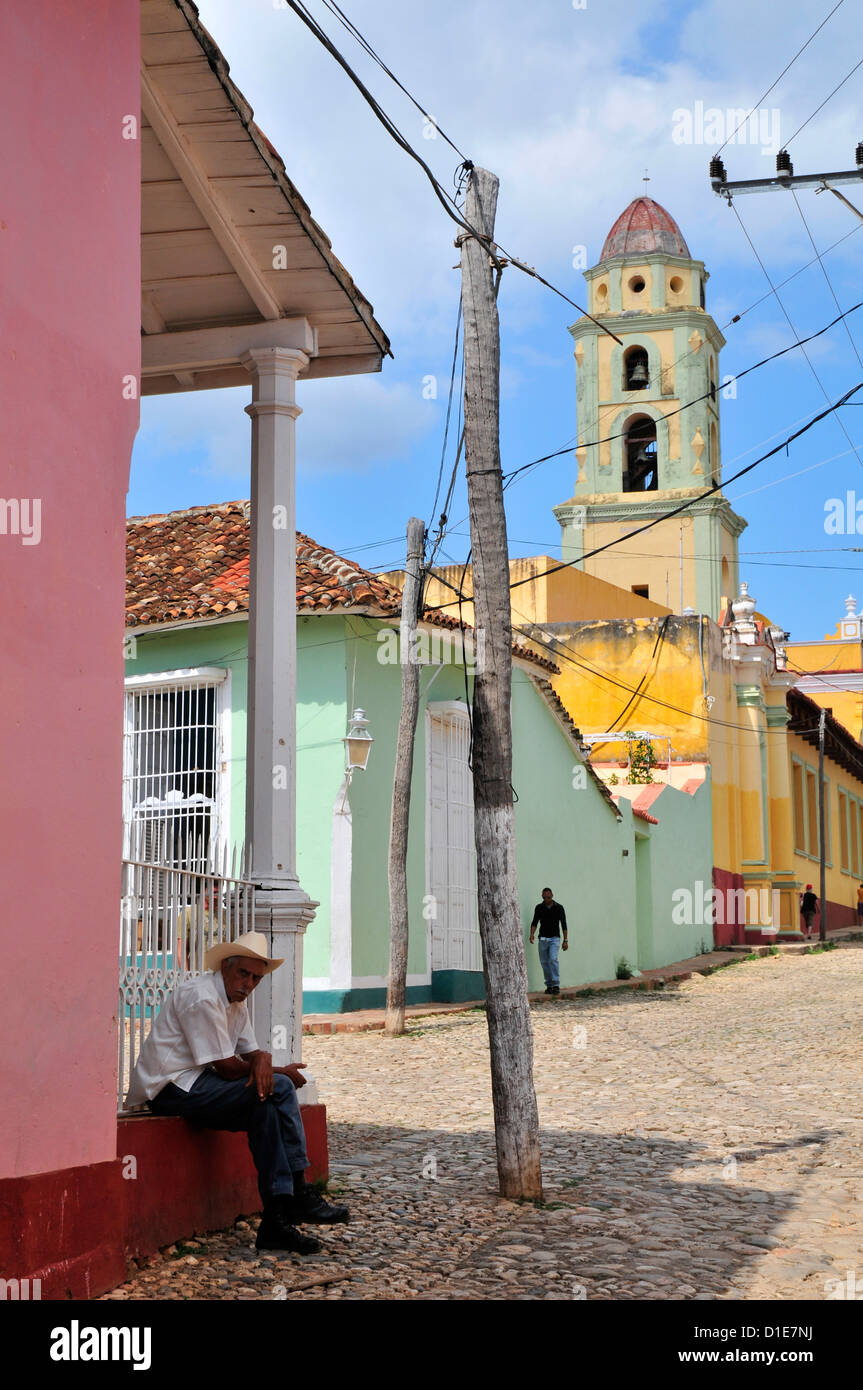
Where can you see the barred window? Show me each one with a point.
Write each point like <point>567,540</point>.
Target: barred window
<point>172,767</point>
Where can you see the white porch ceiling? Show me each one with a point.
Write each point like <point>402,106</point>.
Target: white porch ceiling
<point>215,203</point>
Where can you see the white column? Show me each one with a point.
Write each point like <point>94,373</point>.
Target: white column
<point>283,909</point>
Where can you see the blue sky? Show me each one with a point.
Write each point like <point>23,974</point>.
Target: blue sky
<point>568,106</point>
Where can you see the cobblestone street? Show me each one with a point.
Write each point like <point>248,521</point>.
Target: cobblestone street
<point>702,1141</point>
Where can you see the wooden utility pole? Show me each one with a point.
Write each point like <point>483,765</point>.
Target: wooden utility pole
<point>400,818</point>
<point>510,1037</point>
<point>822,835</point>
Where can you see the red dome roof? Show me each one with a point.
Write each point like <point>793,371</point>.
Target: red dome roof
<point>644,227</point>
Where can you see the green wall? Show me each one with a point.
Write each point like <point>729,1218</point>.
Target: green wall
<point>569,839</point>
<point>567,834</point>
<point>321,725</point>
<point>681,858</point>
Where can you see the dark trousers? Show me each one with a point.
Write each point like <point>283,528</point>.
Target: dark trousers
<point>274,1126</point>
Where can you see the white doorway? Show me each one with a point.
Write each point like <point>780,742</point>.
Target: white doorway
<point>450,851</point>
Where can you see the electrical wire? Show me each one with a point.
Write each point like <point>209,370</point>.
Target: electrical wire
<point>550,645</point>
<point>684,506</point>
<point>824,102</point>
<point>448,412</point>
<point>363,42</point>
<point>709,393</point>
<point>826,276</point>
<point>447,202</point>
<point>780,77</point>
<point>821,385</point>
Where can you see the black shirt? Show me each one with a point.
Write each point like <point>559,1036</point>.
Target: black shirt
<point>809,903</point>
<point>548,916</point>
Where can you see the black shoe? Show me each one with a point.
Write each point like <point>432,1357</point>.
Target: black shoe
<point>274,1233</point>
<point>309,1207</point>
<point>548,989</point>
<point>555,989</point>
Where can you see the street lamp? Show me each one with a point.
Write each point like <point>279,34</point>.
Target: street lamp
<point>358,743</point>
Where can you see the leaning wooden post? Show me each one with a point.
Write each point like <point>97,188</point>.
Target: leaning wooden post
<point>508,1012</point>
<point>400,818</point>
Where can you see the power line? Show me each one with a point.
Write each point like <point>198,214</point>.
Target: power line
<point>780,77</point>
<point>448,413</point>
<point>715,487</point>
<point>824,102</point>
<point>709,393</point>
<point>715,559</point>
<point>684,506</point>
<point>826,275</point>
<point>447,202</point>
<point>363,42</point>
<point>821,386</point>
<point>793,276</point>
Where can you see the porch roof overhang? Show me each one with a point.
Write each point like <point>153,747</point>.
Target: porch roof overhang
<point>231,257</point>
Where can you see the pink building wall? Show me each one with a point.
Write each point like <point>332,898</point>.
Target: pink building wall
<point>69,334</point>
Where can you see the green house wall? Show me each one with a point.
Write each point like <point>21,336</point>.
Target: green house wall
<point>618,898</point>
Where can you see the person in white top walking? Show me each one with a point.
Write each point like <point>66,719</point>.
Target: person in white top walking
<point>201,1061</point>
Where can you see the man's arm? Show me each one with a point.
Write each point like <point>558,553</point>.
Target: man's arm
<point>533,923</point>
<point>563,925</point>
<point>257,1066</point>
<point>245,1066</point>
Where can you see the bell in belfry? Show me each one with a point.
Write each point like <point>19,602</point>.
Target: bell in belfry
<point>638,375</point>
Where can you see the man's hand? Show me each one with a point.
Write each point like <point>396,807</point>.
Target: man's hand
<point>531,938</point>
<point>294,1071</point>
<point>261,1074</point>
<point>565,944</point>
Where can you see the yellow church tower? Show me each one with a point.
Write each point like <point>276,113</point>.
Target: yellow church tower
<point>648,422</point>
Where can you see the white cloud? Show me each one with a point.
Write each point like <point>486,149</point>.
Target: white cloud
<point>347,425</point>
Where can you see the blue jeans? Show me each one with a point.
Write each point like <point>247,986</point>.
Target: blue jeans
<point>274,1126</point>
<point>549,949</point>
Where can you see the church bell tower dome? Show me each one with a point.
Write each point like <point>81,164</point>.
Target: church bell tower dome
<point>644,227</point>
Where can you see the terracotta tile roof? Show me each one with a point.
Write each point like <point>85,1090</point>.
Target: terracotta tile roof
<point>193,565</point>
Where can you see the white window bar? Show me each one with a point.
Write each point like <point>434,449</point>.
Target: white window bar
<point>172,769</point>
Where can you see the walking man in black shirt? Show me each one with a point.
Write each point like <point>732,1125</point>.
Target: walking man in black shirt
<point>808,907</point>
<point>550,917</point>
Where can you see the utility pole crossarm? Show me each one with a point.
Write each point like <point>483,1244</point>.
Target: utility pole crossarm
<point>727,188</point>
<point>785,177</point>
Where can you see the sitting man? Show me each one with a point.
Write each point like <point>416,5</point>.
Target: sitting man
<point>201,1060</point>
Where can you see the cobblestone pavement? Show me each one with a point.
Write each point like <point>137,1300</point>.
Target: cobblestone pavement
<point>704,1141</point>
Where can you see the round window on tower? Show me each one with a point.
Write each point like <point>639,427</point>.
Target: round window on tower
<point>675,284</point>
<point>636,284</point>
<point>602,294</point>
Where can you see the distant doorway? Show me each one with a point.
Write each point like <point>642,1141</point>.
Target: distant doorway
<point>451,855</point>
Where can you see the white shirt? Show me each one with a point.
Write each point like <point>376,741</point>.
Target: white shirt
<point>197,1024</point>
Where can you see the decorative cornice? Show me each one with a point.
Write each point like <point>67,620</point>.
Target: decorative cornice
<point>611,506</point>
<point>751,696</point>
<point>777,716</point>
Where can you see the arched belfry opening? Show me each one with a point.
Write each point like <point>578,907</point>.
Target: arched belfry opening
<point>636,370</point>
<point>640,471</point>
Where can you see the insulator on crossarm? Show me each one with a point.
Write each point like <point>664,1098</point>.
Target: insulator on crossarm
<point>717,172</point>
<point>784,167</point>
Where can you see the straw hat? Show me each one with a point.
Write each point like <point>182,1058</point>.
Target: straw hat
<point>253,945</point>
